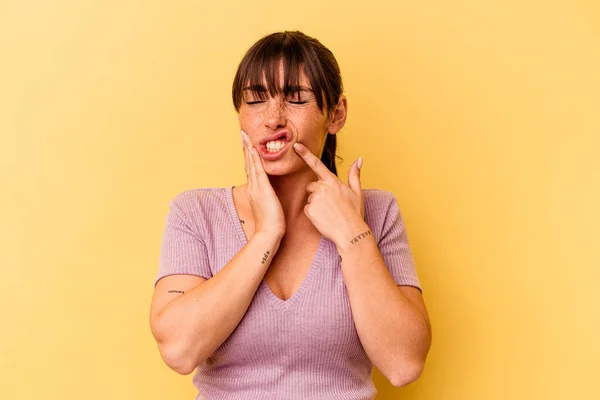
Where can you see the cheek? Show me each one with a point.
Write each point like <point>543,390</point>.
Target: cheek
<point>315,133</point>
<point>311,120</point>
<point>247,119</point>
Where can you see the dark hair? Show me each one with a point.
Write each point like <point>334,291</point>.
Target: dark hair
<point>298,52</point>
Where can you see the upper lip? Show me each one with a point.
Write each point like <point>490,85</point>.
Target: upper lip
<point>276,136</point>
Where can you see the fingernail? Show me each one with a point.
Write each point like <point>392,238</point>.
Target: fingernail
<point>297,146</point>
<point>359,162</point>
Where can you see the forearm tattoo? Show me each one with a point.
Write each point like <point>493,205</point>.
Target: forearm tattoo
<point>360,236</point>
<point>264,259</point>
<point>175,291</point>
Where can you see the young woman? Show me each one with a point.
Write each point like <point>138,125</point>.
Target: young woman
<point>293,284</point>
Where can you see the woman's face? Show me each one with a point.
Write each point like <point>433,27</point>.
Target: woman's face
<point>298,117</point>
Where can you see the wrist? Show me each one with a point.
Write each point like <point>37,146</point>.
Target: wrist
<point>269,236</point>
<point>353,236</point>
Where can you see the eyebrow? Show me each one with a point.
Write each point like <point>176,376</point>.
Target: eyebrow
<point>261,88</point>
<point>256,88</point>
<point>300,89</point>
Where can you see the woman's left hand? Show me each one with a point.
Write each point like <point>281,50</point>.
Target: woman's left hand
<point>337,210</point>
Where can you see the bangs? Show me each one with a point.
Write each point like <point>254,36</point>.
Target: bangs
<point>260,68</point>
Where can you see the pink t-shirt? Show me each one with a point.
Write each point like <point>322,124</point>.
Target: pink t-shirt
<point>303,348</point>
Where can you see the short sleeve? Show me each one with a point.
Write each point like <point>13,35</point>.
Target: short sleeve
<point>183,251</point>
<point>395,248</point>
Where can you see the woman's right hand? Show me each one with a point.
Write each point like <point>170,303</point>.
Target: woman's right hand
<point>266,208</point>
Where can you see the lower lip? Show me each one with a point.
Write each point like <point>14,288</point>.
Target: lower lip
<point>272,155</point>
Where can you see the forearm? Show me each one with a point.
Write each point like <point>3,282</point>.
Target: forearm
<point>393,332</point>
<point>192,326</point>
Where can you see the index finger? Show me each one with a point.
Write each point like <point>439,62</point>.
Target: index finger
<point>313,162</point>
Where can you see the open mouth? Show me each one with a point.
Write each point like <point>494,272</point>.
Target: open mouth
<point>283,136</point>
<point>273,147</point>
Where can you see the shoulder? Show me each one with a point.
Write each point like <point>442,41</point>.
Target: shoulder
<point>378,200</point>
<point>192,199</point>
<point>200,206</point>
<point>381,207</point>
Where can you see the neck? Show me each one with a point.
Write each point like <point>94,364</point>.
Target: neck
<point>292,194</point>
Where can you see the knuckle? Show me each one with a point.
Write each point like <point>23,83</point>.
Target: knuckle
<point>307,210</point>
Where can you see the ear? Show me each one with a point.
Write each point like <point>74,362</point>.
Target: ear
<point>337,118</point>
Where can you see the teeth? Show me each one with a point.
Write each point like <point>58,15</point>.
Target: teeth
<point>275,145</point>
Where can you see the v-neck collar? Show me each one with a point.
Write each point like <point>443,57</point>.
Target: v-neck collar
<point>264,287</point>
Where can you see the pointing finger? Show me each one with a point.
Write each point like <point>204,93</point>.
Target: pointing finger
<point>313,162</point>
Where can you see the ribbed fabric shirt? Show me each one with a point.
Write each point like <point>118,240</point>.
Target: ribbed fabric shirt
<point>305,347</point>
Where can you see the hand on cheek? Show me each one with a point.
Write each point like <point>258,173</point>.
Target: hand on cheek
<point>266,208</point>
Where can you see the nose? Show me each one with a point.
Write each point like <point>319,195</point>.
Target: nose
<point>275,117</point>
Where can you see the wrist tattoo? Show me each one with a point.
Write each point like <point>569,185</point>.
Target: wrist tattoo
<point>360,236</point>
<point>264,259</point>
<point>175,291</point>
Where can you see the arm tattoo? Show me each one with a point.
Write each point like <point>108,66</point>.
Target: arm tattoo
<point>362,235</point>
<point>175,291</point>
<point>242,221</point>
<point>340,260</point>
<point>264,259</point>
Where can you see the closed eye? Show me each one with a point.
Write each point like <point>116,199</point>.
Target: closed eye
<point>297,97</point>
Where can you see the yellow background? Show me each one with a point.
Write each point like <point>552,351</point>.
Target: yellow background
<point>481,116</point>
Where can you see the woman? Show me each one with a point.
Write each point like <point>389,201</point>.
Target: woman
<point>294,284</point>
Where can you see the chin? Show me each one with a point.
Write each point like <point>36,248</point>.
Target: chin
<point>278,168</point>
<point>276,171</point>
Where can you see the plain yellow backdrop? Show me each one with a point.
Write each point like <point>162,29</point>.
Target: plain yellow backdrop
<point>481,116</point>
